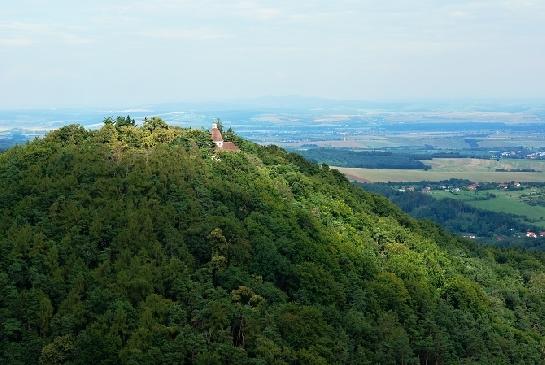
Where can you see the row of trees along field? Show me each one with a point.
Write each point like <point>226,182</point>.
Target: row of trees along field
<point>143,245</point>
<point>366,159</point>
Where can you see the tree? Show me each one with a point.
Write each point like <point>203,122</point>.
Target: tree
<point>219,123</point>
<point>154,123</point>
<point>124,121</point>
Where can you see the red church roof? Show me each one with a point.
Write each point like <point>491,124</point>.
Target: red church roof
<point>216,135</point>
<point>230,146</point>
<point>218,140</point>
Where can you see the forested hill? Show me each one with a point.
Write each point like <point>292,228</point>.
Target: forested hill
<point>142,245</point>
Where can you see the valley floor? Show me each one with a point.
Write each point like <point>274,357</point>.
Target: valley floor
<point>513,202</point>
<point>477,170</point>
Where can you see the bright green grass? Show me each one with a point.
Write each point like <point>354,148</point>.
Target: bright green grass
<point>504,202</point>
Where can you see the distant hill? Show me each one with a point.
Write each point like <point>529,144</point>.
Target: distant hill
<point>12,137</point>
<point>145,245</point>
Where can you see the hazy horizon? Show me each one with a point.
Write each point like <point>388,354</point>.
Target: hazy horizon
<point>298,102</point>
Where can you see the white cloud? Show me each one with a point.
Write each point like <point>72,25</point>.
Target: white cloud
<point>15,42</point>
<point>27,34</point>
<point>255,11</point>
<point>183,34</point>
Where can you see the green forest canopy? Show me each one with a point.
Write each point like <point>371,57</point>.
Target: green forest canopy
<point>143,245</point>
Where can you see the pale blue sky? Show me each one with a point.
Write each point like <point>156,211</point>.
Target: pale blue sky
<point>120,52</point>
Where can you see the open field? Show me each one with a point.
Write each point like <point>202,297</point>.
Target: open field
<point>387,175</point>
<point>480,165</point>
<point>454,168</point>
<point>364,137</point>
<point>501,201</point>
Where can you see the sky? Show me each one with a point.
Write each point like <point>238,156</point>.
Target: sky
<point>66,53</point>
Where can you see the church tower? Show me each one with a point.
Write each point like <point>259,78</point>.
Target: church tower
<point>217,138</point>
<point>221,145</point>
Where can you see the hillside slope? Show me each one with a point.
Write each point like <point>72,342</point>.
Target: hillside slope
<point>141,245</point>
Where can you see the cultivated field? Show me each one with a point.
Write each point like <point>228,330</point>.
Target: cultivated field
<point>457,141</point>
<point>458,168</point>
<point>473,164</point>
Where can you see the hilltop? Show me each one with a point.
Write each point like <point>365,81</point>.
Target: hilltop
<point>147,244</point>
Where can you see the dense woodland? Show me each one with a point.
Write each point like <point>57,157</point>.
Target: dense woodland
<point>143,245</point>
<point>365,159</point>
<point>459,217</point>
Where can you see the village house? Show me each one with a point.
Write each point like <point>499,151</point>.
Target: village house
<point>473,187</point>
<point>531,234</point>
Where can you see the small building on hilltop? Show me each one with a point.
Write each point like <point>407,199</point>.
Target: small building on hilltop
<point>217,138</point>
<point>221,145</point>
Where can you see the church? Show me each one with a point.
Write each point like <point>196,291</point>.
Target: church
<point>221,145</point>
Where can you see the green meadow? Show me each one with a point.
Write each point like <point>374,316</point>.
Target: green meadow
<point>499,201</point>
